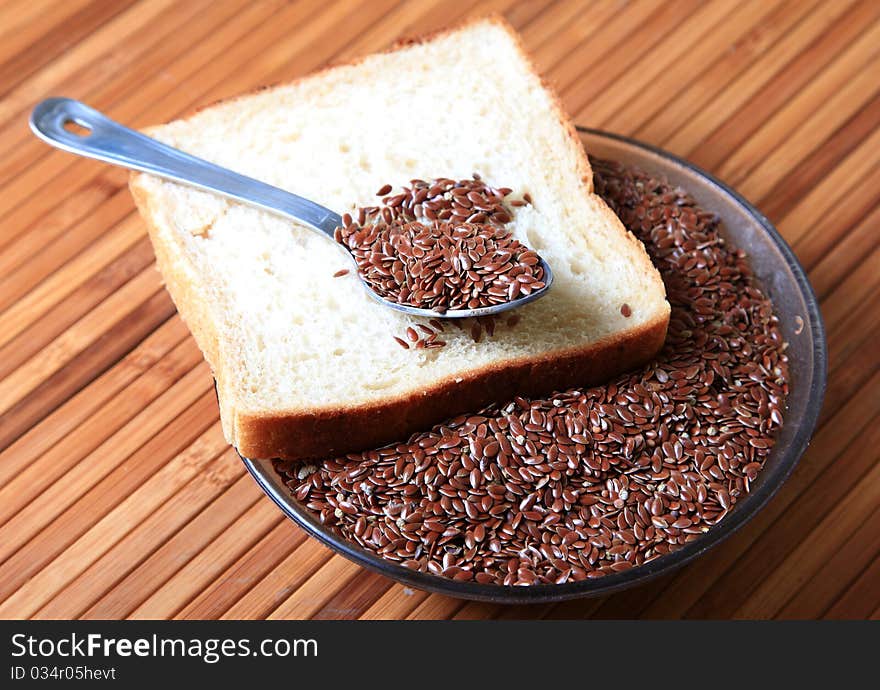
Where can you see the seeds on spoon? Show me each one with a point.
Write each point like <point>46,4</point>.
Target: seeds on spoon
<point>441,245</point>
<point>461,203</point>
<point>443,265</point>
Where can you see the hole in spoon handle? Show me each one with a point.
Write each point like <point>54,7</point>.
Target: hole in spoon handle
<point>71,125</point>
<point>78,128</point>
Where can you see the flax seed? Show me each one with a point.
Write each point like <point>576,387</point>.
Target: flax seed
<point>393,243</point>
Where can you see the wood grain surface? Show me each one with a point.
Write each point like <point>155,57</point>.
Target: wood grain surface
<point>118,495</point>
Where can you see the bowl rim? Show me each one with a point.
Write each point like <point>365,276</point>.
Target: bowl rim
<point>262,471</point>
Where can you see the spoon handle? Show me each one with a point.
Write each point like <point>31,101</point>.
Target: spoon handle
<point>108,141</point>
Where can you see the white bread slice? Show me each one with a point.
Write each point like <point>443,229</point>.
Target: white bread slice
<point>305,363</point>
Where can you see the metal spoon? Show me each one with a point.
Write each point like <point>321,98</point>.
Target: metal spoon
<point>111,142</point>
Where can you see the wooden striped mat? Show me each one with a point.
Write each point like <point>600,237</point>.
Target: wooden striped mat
<point>118,496</point>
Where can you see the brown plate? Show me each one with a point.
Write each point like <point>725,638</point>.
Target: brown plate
<point>780,276</point>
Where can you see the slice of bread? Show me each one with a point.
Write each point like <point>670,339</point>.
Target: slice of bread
<point>306,364</point>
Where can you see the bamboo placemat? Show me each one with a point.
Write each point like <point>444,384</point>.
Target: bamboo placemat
<point>118,495</point>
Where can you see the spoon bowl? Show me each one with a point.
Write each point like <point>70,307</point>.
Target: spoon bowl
<point>73,126</point>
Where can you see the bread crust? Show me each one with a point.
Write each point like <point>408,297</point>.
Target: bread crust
<point>316,433</point>
<point>335,431</point>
